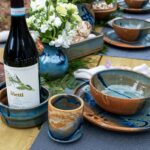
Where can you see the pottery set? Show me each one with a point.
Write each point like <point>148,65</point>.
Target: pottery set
<point>65,118</point>
<point>138,122</point>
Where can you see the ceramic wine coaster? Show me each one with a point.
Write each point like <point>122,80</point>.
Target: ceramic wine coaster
<point>93,113</point>
<point>112,39</point>
<point>24,118</point>
<point>74,138</point>
<point>124,7</point>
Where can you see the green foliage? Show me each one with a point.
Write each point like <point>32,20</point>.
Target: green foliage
<point>68,81</point>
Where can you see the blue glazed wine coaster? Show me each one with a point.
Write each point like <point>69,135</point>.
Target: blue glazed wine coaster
<point>92,112</point>
<point>74,138</point>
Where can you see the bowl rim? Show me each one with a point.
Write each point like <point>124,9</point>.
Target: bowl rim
<point>105,10</point>
<point>61,110</point>
<point>127,99</point>
<point>26,109</point>
<point>114,24</point>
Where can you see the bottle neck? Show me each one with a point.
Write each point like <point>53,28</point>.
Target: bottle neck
<point>18,14</point>
<point>17,3</point>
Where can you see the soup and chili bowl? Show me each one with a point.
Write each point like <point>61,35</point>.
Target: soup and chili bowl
<point>137,4</point>
<point>118,91</point>
<point>131,30</point>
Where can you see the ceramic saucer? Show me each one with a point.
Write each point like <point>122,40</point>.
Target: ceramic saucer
<point>123,6</point>
<point>112,39</point>
<point>92,112</point>
<point>74,138</point>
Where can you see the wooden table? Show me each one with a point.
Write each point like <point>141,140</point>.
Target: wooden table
<point>22,139</point>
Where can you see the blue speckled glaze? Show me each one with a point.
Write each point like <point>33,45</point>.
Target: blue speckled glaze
<point>85,14</point>
<point>133,123</point>
<point>65,117</point>
<point>53,62</point>
<point>25,118</point>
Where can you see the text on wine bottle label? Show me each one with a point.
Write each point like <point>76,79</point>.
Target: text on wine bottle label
<point>22,86</point>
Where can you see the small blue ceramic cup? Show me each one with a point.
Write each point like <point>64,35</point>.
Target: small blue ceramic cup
<point>65,118</point>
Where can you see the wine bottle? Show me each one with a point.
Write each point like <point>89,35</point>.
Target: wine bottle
<point>21,62</point>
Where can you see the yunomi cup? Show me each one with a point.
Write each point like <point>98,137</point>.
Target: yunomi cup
<point>131,30</point>
<point>136,3</point>
<point>65,117</point>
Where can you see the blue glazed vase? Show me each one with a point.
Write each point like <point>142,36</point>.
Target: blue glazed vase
<point>86,14</point>
<point>53,62</point>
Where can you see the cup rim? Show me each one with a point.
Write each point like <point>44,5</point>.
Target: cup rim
<point>62,110</point>
<point>114,24</point>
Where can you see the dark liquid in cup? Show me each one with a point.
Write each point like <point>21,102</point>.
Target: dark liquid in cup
<point>66,103</point>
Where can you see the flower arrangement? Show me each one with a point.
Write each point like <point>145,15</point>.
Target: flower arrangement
<point>54,23</point>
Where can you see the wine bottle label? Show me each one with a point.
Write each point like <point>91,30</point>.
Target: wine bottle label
<point>22,86</point>
<point>17,12</point>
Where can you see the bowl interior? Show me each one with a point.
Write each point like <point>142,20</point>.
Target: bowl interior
<point>66,102</point>
<point>122,84</point>
<point>132,23</point>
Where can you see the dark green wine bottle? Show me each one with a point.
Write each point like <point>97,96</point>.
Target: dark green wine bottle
<point>21,62</point>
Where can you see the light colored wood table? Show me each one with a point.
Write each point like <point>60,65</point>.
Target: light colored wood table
<point>22,139</point>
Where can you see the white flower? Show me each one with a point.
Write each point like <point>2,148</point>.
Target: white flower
<point>61,10</point>
<point>73,8</point>
<point>51,18</point>
<point>51,8</point>
<point>30,20</point>
<point>57,22</point>
<point>37,4</point>
<point>44,28</point>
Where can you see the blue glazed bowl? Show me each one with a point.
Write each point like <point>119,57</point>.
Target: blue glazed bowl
<point>120,91</point>
<point>53,62</point>
<point>24,118</point>
<point>131,30</point>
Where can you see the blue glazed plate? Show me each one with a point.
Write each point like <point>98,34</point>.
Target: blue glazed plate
<point>74,138</point>
<point>112,39</point>
<point>124,7</point>
<point>93,113</point>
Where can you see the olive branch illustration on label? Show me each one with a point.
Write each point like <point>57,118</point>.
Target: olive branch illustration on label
<point>15,81</point>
